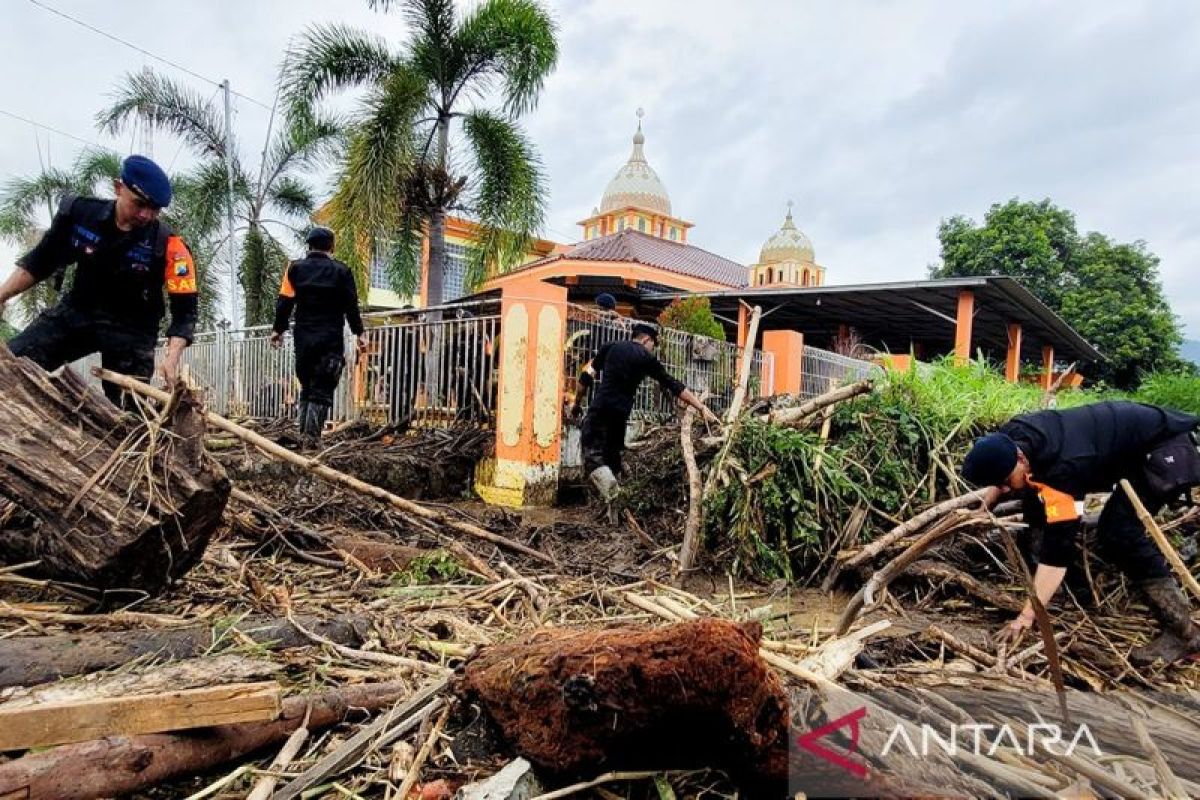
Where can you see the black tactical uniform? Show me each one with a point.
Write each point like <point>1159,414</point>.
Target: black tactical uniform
<point>322,292</point>
<point>623,366</point>
<point>1088,450</point>
<point>115,303</point>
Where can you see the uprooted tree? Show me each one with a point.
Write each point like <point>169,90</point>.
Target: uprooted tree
<point>110,501</point>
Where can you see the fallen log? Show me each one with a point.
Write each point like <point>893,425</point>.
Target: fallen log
<point>629,697</point>
<point>120,503</point>
<point>695,515</point>
<point>26,660</point>
<point>328,473</point>
<point>124,764</point>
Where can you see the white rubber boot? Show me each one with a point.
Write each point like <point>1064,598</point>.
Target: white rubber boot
<point>605,482</point>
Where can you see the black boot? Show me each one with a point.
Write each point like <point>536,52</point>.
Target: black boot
<point>1180,636</point>
<point>319,414</point>
<point>302,416</point>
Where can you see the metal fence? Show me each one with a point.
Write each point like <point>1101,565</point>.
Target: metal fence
<point>429,373</point>
<point>822,370</point>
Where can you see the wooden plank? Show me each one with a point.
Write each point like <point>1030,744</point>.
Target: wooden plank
<point>81,721</point>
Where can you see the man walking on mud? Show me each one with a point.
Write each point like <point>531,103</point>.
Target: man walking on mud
<point>321,290</point>
<point>1051,459</point>
<point>622,366</point>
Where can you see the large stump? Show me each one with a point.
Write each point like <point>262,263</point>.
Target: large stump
<point>696,693</point>
<point>119,502</point>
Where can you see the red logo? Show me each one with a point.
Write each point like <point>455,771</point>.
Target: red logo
<point>809,742</point>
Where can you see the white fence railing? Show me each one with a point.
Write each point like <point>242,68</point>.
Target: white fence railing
<point>428,373</point>
<point>822,370</point>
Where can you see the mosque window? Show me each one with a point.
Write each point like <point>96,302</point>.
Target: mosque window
<point>804,278</point>
<point>674,233</point>
<point>621,224</point>
<point>770,275</point>
<point>642,224</point>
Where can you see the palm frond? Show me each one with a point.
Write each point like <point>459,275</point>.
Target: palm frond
<point>168,106</point>
<point>292,196</point>
<point>509,41</point>
<point>507,193</point>
<point>303,142</point>
<point>96,165</point>
<point>261,265</point>
<point>331,57</point>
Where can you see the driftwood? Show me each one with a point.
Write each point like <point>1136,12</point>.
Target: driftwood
<point>939,571</point>
<point>797,416</point>
<point>27,660</point>
<point>881,543</point>
<point>122,764</point>
<point>119,504</point>
<point>334,476</point>
<point>691,528</point>
<point>867,596</point>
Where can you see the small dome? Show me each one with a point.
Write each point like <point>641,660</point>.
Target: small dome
<point>636,183</point>
<point>788,244</point>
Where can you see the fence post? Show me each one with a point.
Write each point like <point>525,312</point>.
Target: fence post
<point>787,347</point>
<point>533,324</point>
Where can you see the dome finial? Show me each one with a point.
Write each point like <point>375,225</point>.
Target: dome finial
<point>638,138</point>
<point>788,224</point>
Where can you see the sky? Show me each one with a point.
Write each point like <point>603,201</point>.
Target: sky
<point>878,119</point>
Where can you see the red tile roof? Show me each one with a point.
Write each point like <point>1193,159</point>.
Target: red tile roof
<point>641,248</point>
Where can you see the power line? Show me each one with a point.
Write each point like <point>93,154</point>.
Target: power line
<point>52,129</point>
<point>141,50</point>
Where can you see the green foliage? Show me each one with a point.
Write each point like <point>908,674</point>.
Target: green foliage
<point>436,567</point>
<point>1109,292</point>
<point>407,164</point>
<point>692,315</point>
<point>6,331</point>
<point>1178,390</point>
<point>890,452</point>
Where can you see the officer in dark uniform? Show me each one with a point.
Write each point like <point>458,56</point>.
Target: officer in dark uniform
<point>623,366</point>
<point>322,291</point>
<point>125,257</point>
<point>1051,459</point>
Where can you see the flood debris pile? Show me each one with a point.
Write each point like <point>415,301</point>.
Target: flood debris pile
<point>341,639</point>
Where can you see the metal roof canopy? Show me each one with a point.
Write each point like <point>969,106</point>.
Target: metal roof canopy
<point>892,316</point>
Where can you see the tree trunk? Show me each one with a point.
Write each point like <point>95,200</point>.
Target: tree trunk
<point>28,660</point>
<point>119,504</point>
<point>123,764</point>
<point>694,693</point>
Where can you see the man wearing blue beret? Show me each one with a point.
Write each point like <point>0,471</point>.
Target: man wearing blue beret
<point>1052,459</point>
<point>125,259</point>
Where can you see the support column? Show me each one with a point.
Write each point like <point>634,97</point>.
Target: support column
<point>1012,363</point>
<point>533,328</point>
<point>1047,366</point>
<point>788,349</point>
<point>962,328</point>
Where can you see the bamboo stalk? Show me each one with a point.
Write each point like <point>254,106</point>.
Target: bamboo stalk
<point>1180,569</point>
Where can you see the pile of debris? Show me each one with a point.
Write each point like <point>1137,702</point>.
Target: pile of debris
<point>351,642</point>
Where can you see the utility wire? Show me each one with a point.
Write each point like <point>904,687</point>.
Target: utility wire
<point>142,50</point>
<point>26,120</point>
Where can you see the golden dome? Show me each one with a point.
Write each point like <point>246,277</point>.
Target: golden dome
<point>788,244</point>
<point>636,183</point>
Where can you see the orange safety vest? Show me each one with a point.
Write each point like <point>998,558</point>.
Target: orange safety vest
<point>1060,506</point>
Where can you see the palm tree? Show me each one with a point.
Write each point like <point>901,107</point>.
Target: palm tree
<point>272,205</point>
<point>407,163</point>
<point>28,204</point>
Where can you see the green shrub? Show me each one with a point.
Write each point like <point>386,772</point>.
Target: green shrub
<point>1173,390</point>
<point>692,315</point>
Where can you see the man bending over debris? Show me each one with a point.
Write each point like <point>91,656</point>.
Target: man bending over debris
<point>1050,459</point>
<point>322,291</point>
<point>623,366</point>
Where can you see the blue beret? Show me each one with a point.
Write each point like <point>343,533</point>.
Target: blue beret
<point>148,179</point>
<point>606,300</point>
<point>991,460</point>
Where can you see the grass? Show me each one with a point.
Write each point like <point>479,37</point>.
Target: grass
<point>1178,391</point>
